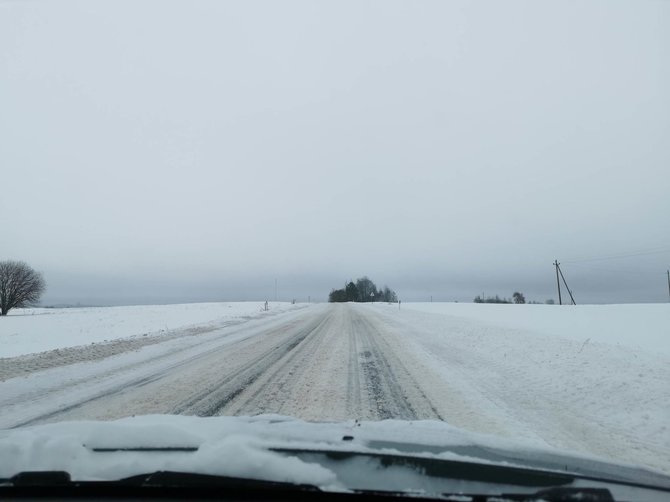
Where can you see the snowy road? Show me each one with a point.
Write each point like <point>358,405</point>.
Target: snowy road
<point>368,362</point>
<point>321,363</point>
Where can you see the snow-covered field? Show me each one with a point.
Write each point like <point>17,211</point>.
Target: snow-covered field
<point>589,379</point>
<point>637,326</point>
<point>26,331</point>
<point>584,378</point>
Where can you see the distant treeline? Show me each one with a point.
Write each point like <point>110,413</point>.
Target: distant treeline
<point>363,290</point>
<point>491,299</point>
<point>516,298</point>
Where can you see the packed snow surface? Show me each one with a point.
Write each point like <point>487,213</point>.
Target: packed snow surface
<point>587,379</point>
<point>25,331</point>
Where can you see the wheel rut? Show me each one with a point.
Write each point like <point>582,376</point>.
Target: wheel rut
<point>216,395</point>
<point>392,391</point>
<point>334,363</point>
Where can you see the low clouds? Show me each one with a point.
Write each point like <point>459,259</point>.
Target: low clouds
<point>189,152</point>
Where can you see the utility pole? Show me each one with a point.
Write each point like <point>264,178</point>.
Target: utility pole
<point>668,284</point>
<point>566,285</point>
<point>558,283</point>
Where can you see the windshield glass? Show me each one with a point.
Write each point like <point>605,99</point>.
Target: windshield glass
<point>337,212</point>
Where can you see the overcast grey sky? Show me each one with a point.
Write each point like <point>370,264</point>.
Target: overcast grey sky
<point>197,150</point>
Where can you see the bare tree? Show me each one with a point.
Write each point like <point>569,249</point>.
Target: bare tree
<point>20,285</point>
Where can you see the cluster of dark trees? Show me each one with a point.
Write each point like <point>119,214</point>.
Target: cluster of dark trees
<point>516,298</point>
<point>363,290</point>
<point>491,299</point>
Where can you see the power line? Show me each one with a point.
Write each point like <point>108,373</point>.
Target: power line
<point>641,252</point>
<point>614,270</point>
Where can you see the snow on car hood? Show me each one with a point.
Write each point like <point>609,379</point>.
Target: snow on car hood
<point>246,447</point>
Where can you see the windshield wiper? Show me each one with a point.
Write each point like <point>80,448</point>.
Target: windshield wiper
<point>53,484</point>
<point>560,495</point>
<point>153,479</point>
<point>447,469</point>
<point>161,483</point>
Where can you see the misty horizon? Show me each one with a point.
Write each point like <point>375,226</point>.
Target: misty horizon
<point>167,151</point>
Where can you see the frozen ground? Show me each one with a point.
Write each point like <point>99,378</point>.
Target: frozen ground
<point>477,369</point>
<point>26,331</point>
<point>583,378</point>
<point>638,326</point>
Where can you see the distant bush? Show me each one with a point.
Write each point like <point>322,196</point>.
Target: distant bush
<point>518,297</point>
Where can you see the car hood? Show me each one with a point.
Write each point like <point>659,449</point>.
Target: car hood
<point>332,456</point>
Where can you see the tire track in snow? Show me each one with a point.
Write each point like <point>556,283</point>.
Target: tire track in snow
<point>12,367</point>
<point>68,393</point>
<point>394,391</point>
<point>341,370</point>
<point>216,395</point>
<point>327,363</point>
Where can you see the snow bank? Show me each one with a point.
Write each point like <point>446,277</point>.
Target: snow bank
<point>26,331</point>
<point>640,326</point>
<point>587,378</point>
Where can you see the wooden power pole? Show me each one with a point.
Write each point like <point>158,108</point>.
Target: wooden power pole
<point>558,283</point>
<point>566,284</point>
